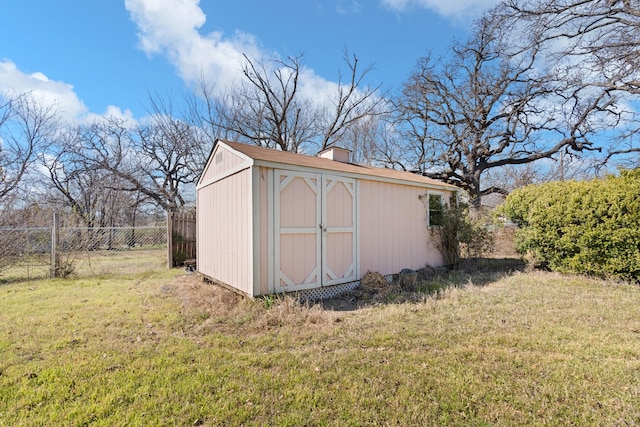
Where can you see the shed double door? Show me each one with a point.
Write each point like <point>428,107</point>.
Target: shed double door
<point>315,230</point>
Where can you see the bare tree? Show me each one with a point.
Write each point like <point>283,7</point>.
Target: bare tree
<point>483,109</point>
<point>92,194</point>
<point>266,108</point>
<point>270,109</point>
<point>351,106</point>
<point>364,137</point>
<point>151,159</point>
<point>202,112</point>
<point>26,128</point>
<point>598,37</point>
<point>5,110</point>
<point>186,131</point>
<point>563,167</point>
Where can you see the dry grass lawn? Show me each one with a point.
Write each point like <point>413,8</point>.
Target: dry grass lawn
<point>482,348</point>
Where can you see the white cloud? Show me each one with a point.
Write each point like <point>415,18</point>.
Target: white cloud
<point>55,93</point>
<point>345,7</point>
<point>315,88</point>
<point>51,92</point>
<point>172,28</point>
<point>112,112</point>
<point>446,8</point>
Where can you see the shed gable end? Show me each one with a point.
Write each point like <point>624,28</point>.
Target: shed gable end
<point>222,162</point>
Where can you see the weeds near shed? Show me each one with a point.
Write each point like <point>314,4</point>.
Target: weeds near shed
<point>460,233</point>
<point>272,300</point>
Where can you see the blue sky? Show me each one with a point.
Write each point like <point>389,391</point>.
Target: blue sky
<point>96,57</point>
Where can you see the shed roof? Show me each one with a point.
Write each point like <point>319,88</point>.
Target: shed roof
<point>267,155</point>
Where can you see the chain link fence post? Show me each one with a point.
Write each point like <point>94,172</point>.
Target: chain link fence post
<point>55,246</point>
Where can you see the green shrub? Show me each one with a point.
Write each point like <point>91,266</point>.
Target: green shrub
<point>585,227</point>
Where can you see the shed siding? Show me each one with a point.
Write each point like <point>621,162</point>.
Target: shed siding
<point>222,161</point>
<point>224,221</point>
<point>393,228</point>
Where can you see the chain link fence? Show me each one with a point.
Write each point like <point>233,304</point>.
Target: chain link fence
<point>35,253</point>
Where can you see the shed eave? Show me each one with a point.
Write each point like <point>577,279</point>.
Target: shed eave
<point>260,156</point>
<point>355,175</point>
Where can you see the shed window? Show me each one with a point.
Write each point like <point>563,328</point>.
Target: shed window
<point>436,210</point>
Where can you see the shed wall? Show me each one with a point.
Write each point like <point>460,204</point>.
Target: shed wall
<point>225,243</point>
<point>393,229</point>
<point>222,161</point>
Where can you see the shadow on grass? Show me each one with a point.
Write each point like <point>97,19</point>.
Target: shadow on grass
<point>430,282</point>
<point>487,270</point>
<point>25,278</point>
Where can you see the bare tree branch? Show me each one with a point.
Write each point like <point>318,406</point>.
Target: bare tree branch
<point>26,128</point>
<point>269,108</point>
<point>352,103</point>
<point>482,109</point>
<point>594,40</point>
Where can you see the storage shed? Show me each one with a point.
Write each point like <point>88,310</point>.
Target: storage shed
<point>271,221</point>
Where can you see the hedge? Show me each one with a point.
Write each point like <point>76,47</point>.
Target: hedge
<point>584,227</point>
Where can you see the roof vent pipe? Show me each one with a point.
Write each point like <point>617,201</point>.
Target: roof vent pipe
<point>336,153</point>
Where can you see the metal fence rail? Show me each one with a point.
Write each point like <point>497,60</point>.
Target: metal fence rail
<point>33,253</point>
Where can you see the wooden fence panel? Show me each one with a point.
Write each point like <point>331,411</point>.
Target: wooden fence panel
<point>182,239</point>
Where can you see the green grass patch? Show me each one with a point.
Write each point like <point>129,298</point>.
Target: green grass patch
<point>168,349</point>
<point>131,261</point>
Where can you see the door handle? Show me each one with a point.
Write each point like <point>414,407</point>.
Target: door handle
<point>322,227</point>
